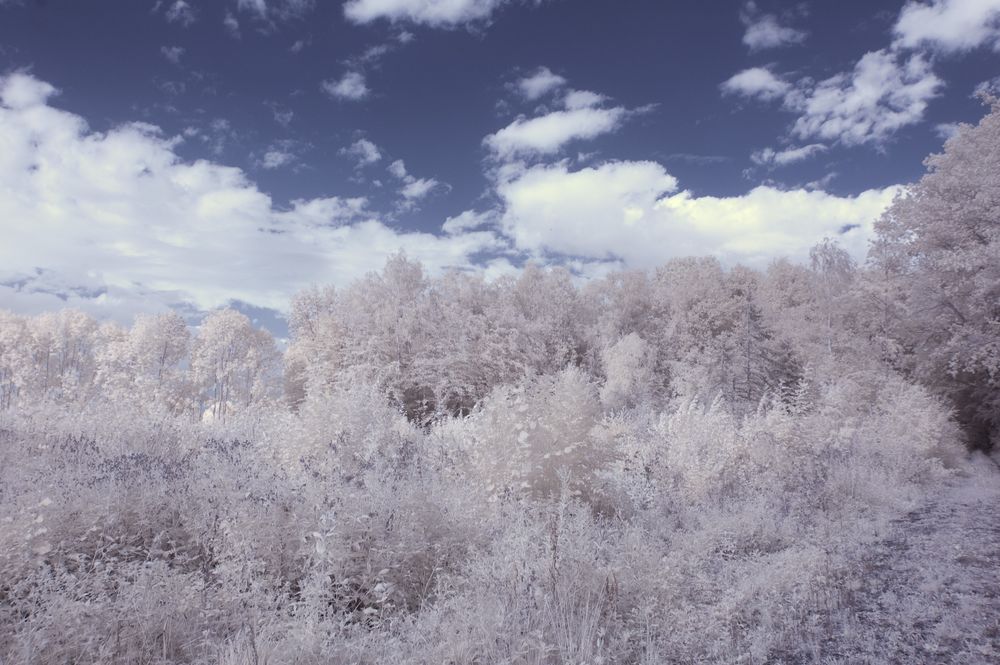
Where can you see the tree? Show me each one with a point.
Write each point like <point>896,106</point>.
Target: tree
<point>62,347</point>
<point>835,271</point>
<point>761,362</point>
<point>937,251</point>
<point>316,353</point>
<point>145,362</point>
<point>630,373</point>
<point>14,357</point>
<point>233,364</point>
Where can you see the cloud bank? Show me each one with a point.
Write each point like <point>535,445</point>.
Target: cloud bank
<point>121,212</point>
<point>117,220</point>
<point>434,13</point>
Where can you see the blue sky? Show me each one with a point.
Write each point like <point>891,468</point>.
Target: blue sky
<point>191,154</point>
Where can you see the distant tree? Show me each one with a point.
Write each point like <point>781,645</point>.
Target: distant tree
<point>623,304</point>
<point>15,359</point>
<point>62,347</point>
<point>234,365</point>
<point>317,349</point>
<point>145,362</point>
<point>835,271</point>
<point>935,264</point>
<point>545,306</point>
<point>761,362</point>
<point>630,373</point>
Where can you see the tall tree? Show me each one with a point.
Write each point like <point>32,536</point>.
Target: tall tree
<point>234,365</point>
<point>938,250</point>
<point>15,359</point>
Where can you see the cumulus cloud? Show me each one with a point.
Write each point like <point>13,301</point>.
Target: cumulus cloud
<point>547,134</point>
<point>989,87</point>
<point>418,188</point>
<point>583,116</point>
<point>888,89</point>
<point>21,91</point>
<point>435,13</point>
<point>756,82</point>
<point>364,151</point>
<point>885,92</point>
<point>946,130</point>
<point>467,221</point>
<point>119,212</point>
<point>413,189</point>
<point>351,87</point>
<point>772,157</point>
<point>764,31</point>
<point>632,212</point>
<point>949,26</point>
<point>276,158</point>
<point>539,84</point>
<point>581,99</point>
<point>398,169</point>
<point>117,220</point>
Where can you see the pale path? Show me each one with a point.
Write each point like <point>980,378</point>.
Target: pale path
<point>931,590</point>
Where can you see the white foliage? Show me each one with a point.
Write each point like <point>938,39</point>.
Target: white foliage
<point>629,368</point>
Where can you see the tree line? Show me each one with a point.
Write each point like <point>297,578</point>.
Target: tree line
<point>926,303</point>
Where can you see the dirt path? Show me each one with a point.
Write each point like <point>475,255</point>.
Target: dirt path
<point>931,590</point>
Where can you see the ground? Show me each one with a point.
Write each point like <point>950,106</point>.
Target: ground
<point>930,591</point>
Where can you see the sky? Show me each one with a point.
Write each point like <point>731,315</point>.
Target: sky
<point>194,154</point>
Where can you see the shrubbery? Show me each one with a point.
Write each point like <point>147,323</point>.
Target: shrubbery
<point>343,533</point>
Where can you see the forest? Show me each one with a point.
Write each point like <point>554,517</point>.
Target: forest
<point>691,464</point>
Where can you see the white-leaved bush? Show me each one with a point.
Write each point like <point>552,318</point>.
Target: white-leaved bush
<point>522,436</point>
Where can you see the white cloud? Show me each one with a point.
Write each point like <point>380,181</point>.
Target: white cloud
<point>539,84</point>
<point>21,91</point>
<point>258,7</point>
<point>413,189</point>
<point>757,82</point>
<point>232,25</point>
<point>418,188</point>
<point>276,158</point>
<point>172,53</point>
<point>398,169</point>
<point>989,87</point>
<point>281,9</point>
<point>351,86</point>
<point>180,12</point>
<point>946,130</point>
<point>581,99</point>
<point>282,115</point>
<point>436,13</point>
<point>949,26</point>
<point>769,156</point>
<point>117,220</point>
<point>467,221</point>
<point>121,212</point>
<point>364,151</point>
<point>547,134</point>
<point>885,92</point>
<point>882,95</point>
<point>764,31</point>
<point>632,211</point>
